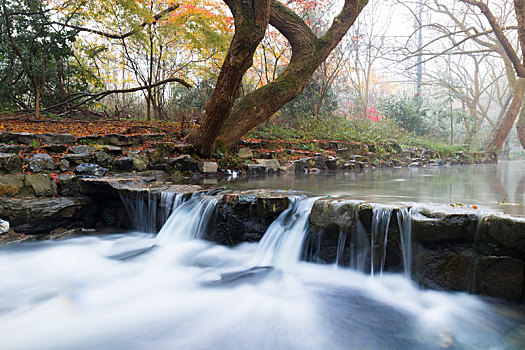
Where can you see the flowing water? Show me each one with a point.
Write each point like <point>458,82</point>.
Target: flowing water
<point>172,290</point>
<point>494,187</point>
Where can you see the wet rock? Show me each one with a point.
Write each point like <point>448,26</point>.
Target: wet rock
<point>256,169</point>
<point>103,159</point>
<point>208,167</point>
<point>444,268</point>
<point>90,170</point>
<point>9,163</point>
<point>42,215</point>
<point>332,216</point>
<point>124,163</point>
<point>271,164</point>
<point>245,153</point>
<point>502,235</point>
<point>81,149</point>
<point>244,217</point>
<point>67,185</point>
<point>11,185</point>
<point>42,185</point>
<point>77,159</point>
<point>332,163</point>
<point>184,163</point>
<point>4,226</point>
<point>501,277</point>
<point>433,227</point>
<point>41,163</point>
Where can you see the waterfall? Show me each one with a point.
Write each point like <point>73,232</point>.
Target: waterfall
<point>359,245</point>
<point>341,241</point>
<point>472,288</point>
<point>380,223</point>
<point>282,242</point>
<point>188,221</point>
<point>169,201</point>
<point>142,210</point>
<point>404,220</point>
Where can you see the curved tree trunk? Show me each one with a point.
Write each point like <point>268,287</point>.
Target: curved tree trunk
<point>520,127</point>
<point>510,116</point>
<point>228,124</point>
<point>308,53</point>
<point>251,19</point>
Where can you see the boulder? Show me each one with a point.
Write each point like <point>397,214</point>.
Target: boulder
<point>124,163</point>
<point>256,169</point>
<point>55,148</point>
<point>333,216</point>
<point>114,150</point>
<point>41,162</point>
<point>90,170</point>
<point>140,163</point>
<point>42,185</point>
<point>11,185</point>
<point>271,164</point>
<point>42,215</point>
<point>4,226</point>
<point>67,185</point>
<point>184,163</point>
<point>245,153</point>
<point>165,148</point>
<point>502,235</point>
<point>500,277</point>
<point>63,165</point>
<point>64,139</point>
<point>208,167</point>
<point>81,149</point>
<point>434,227</point>
<point>10,163</point>
<point>103,159</point>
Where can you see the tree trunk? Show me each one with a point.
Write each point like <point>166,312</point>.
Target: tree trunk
<point>251,19</point>
<point>37,102</point>
<point>308,53</point>
<point>510,116</point>
<point>520,127</point>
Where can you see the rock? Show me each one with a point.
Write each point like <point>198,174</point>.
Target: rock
<point>77,159</point>
<point>271,164</point>
<point>9,163</point>
<point>42,215</point>
<point>15,149</point>
<point>63,165</point>
<point>256,169</point>
<point>245,153</point>
<point>502,235</point>
<point>165,148</point>
<point>41,162</point>
<point>208,167</point>
<point>55,148</point>
<point>90,170</point>
<point>432,227</point>
<point>140,162</point>
<point>444,268</point>
<point>4,226</point>
<point>184,148</point>
<point>320,161</point>
<point>114,150</point>
<point>118,140</point>
<point>150,138</point>
<point>63,139</point>
<point>183,163</point>
<point>92,139</point>
<point>342,152</point>
<point>42,185</point>
<point>67,185</point>
<point>332,163</point>
<point>154,155</point>
<point>124,163</point>
<point>333,216</point>
<point>103,159</point>
<point>501,277</point>
<point>81,149</point>
<point>11,185</point>
<point>245,217</point>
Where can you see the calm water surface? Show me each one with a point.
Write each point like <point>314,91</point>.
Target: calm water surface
<point>486,186</point>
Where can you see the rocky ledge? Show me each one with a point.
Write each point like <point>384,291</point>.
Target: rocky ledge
<point>450,249</point>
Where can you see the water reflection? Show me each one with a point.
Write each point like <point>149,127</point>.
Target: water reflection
<point>485,186</point>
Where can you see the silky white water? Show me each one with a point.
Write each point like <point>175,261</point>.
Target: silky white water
<point>130,292</point>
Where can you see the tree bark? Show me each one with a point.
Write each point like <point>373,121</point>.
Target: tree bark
<point>308,53</point>
<point>510,116</point>
<point>251,19</point>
